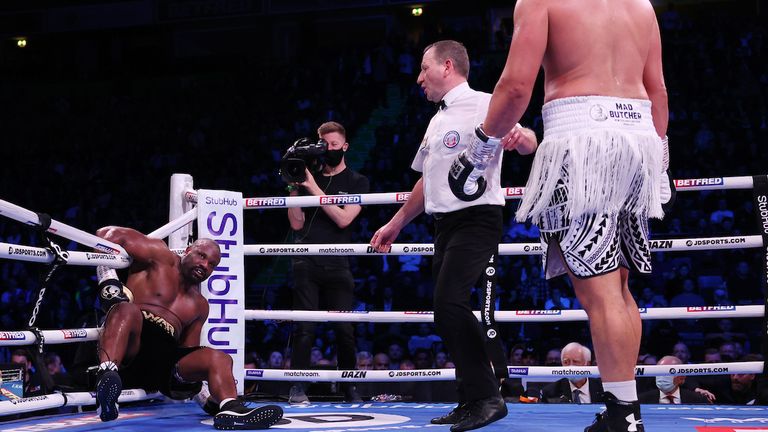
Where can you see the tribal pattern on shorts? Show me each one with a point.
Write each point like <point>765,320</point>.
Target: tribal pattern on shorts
<point>592,244</point>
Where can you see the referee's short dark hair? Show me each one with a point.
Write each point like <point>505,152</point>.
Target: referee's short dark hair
<point>451,49</point>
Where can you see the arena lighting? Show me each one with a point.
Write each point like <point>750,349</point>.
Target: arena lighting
<point>416,11</point>
<point>21,42</point>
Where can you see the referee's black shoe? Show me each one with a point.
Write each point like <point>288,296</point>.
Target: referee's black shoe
<point>454,416</point>
<point>481,413</point>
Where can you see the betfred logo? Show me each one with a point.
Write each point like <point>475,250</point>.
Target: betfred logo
<point>402,196</point>
<point>12,335</point>
<point>714,181</point>
<point>514,191</point>
<point>254,373</point>
<point>75,334</point>
<point>418,312</point>
<point>517,370</point>
<point>107,249</point>
<point>265,202</point>
<point>711,308</point>
<point>539,312</point>
<point>340,199</point>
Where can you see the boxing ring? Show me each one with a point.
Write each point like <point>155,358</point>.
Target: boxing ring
<point>219,213</point>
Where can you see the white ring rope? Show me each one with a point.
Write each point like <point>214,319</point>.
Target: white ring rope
<point>515,192</point>
<point>665,245</point>
<point>41,255</point>
<point>513,371</point>
<point>60,229</point>
<point>174,225</point>
<point>57,400</point>
<point>51,337</point>
<point>548,315</point>
<point>14,338</point>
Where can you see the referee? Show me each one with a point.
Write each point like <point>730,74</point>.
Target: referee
<point>468,224</point>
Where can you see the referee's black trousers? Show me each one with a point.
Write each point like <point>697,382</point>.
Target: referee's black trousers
<point>464,241</point>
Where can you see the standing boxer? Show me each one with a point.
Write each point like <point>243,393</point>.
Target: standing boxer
<point>599,172</point>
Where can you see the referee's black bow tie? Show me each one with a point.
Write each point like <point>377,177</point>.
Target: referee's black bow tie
<point>441,105</point>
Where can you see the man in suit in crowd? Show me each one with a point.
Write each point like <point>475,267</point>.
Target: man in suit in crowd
<point>668,390</point>
<point>574,390</point>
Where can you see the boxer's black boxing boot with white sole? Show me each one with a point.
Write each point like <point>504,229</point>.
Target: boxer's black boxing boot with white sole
<point>108,390</point>
<point>619,416</point>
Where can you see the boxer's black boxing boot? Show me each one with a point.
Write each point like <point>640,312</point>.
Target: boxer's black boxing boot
<point>108,390</point>
<point>619,416</point>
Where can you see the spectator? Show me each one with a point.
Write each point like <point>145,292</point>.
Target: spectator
<point>722,212</point>
<point>728,351</point>
<point>688,296</point>
<point>573,390</point>
<point>32,385</point>
<point>743,284</point>
<point>720,298</point>
<point>681,351</point>
<point>315,355</point>
<point>396,355</point>
<point>275,360</point>
<point>712,355</point>
<point>516,355</point>
<point>381,362</point>
<point>56,369</point>
<point>424,339</point>
<point>556,300</point>
<point>422,359</point>
<point>668,390</point>
<point>364,361</point>
<point>735,389</point>
<point>530,356</point>
<point>441,359</point>
<point>553,358</point>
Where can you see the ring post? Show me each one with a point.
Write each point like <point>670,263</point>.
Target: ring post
<point>760,200</point>
<point>178,206</point>
<point>220,217</point>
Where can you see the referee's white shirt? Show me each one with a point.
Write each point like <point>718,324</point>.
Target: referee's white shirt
<point>447,135</point>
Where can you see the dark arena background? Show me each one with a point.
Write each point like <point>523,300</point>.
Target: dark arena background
<point>102,101</point>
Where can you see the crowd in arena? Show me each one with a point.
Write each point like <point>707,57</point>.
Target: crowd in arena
<point>100,152</point>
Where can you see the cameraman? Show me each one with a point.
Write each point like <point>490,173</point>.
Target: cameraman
<point>326,277</point>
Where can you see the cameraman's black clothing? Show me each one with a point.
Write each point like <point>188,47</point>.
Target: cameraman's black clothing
<point>319,228</point>
<point>336,289</point>
<point>325,277</point>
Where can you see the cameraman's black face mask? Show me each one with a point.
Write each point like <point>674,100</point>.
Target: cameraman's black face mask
<point>333,157</point>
